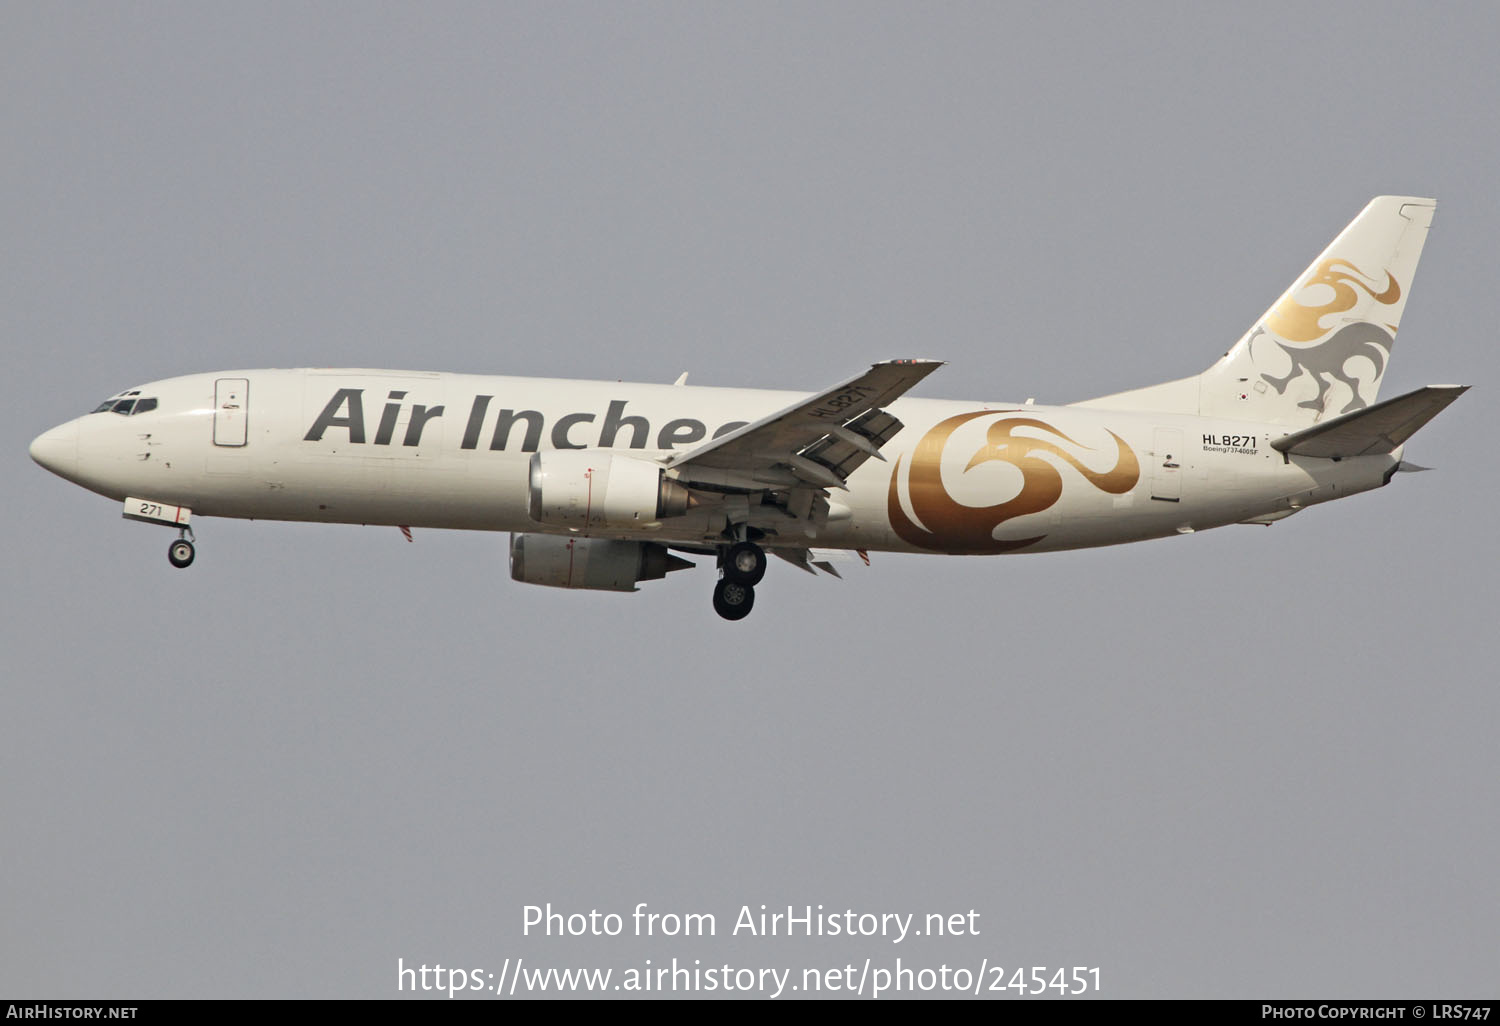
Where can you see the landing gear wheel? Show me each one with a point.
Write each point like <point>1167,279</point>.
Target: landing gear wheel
<point>745,563</point>
<point>180,553</point>
<point>733,600</point>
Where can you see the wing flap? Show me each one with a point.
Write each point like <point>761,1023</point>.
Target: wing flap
<point>806,559</point>
<point>842,454</point>
<point>1380,428</point>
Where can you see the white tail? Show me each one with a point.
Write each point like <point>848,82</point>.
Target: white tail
<point>1323,347</point>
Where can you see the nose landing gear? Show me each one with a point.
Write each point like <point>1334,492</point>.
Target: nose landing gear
<point>181,552</point>
<point>154,511</point>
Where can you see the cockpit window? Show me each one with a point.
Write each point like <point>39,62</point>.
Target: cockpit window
<point>125,404</point>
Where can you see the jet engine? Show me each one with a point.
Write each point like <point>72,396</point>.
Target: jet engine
<point>598,564</point>
<point>583,488</point>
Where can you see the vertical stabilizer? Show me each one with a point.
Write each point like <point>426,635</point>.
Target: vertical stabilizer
<point>1322,349</point>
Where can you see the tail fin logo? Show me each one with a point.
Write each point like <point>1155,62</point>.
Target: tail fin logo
<point>1295,322</point>
<point>947,525</point>
<point>1325,361</point>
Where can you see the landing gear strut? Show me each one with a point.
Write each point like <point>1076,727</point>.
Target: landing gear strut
<point>180,553</point>
<point>743,565</point>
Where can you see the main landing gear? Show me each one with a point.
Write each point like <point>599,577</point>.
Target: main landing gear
<point>742,566</point>
<point>180,553</point>
<point>745,562</point>
<point>732,600</point>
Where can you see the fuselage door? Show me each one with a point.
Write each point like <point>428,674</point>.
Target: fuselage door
<point>231,406</point>
<point>1166,465</point>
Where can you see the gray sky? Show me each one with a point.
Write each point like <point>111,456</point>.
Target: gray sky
<point>1246,763</point>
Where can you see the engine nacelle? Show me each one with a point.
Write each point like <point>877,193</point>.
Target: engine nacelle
<point>599,564</point>
<point>592,488</point>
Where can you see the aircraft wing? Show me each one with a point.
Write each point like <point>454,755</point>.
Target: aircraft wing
<point>816,443</point>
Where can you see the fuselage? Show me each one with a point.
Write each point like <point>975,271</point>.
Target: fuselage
<point>442,450</point>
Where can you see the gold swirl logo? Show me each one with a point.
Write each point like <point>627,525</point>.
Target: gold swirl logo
<point>1298,323</point>
<point>950,526</point>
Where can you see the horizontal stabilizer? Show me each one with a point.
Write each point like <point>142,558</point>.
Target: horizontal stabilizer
<point>1380,428</point>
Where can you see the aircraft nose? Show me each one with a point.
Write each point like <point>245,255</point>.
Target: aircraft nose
<point>57,450</point>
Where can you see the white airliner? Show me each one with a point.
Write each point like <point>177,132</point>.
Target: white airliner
<point>601,482</point>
